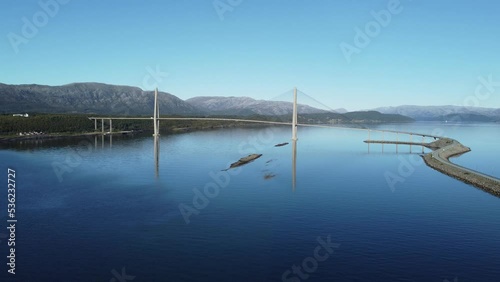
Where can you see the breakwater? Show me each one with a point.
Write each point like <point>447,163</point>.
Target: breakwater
<point>442,150</point>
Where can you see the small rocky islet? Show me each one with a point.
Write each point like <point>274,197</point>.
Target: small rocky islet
<point>281,144</point>
<point>245,160</point>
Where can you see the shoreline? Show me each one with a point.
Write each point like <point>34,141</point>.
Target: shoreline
<point>60,135</point>
<point>175,130</point>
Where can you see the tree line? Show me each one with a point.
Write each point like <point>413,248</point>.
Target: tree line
<point>77,123</point>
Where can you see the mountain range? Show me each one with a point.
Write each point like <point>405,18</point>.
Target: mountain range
<point>88,98</point>
<point>247,106</point>
<point>444,113</point>
<point>105,99</point>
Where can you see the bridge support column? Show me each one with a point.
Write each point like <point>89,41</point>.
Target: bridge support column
<point>110,126</point>
<point>102,126</point>
<point>411,141</point>
<point>156,114</point>
<point>294,118</point>
<point>383,137</point>
<point>95,124</point>
<point>423,143</point>
<point>368,139</point>
<point>397,140</point>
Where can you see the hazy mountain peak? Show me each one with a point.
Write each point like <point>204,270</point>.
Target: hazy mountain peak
<point>88,97</point>
<point>247,106</point>
<point>443,112</point>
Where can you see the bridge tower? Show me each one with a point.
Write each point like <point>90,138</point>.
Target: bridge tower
<point>294,118</point>
<point>156,113</point>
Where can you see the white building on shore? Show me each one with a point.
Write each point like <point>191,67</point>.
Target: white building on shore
<point>20,115</point>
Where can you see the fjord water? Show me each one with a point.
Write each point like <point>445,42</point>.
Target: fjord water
<point>109,217</point>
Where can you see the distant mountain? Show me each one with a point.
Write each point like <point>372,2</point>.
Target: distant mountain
<point>441,113</point>
<point>468,117</point>
<point>89,98</point>
<point>376,117</point>
<point>247,106</point>
<point>340,110</point>
<point>323,118</point>
<point>105,99</point>
<point>362,117</point>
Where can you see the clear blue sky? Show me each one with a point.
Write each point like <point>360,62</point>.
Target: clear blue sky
<point>431,52</point>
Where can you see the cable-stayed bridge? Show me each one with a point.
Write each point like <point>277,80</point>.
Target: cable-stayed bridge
<point>443,149</point>
<point>294,124</point>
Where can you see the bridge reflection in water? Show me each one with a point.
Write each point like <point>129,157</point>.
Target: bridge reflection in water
<point>96,138</point>
<point>294,164</point>
<point>157,154</point>
<point>156,145</point>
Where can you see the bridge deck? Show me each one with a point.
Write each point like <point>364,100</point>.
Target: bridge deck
<point>266,122</point>
<point>396,142</point>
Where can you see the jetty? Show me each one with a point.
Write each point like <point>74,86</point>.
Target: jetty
<point>439,159</point>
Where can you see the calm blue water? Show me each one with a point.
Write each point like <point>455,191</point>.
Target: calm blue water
<point>93,211</point>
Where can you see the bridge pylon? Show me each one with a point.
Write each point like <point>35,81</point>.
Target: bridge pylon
<point>156,113</point>
<point>294,118</point>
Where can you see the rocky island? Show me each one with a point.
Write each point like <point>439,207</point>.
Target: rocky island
<point>245,160</point>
